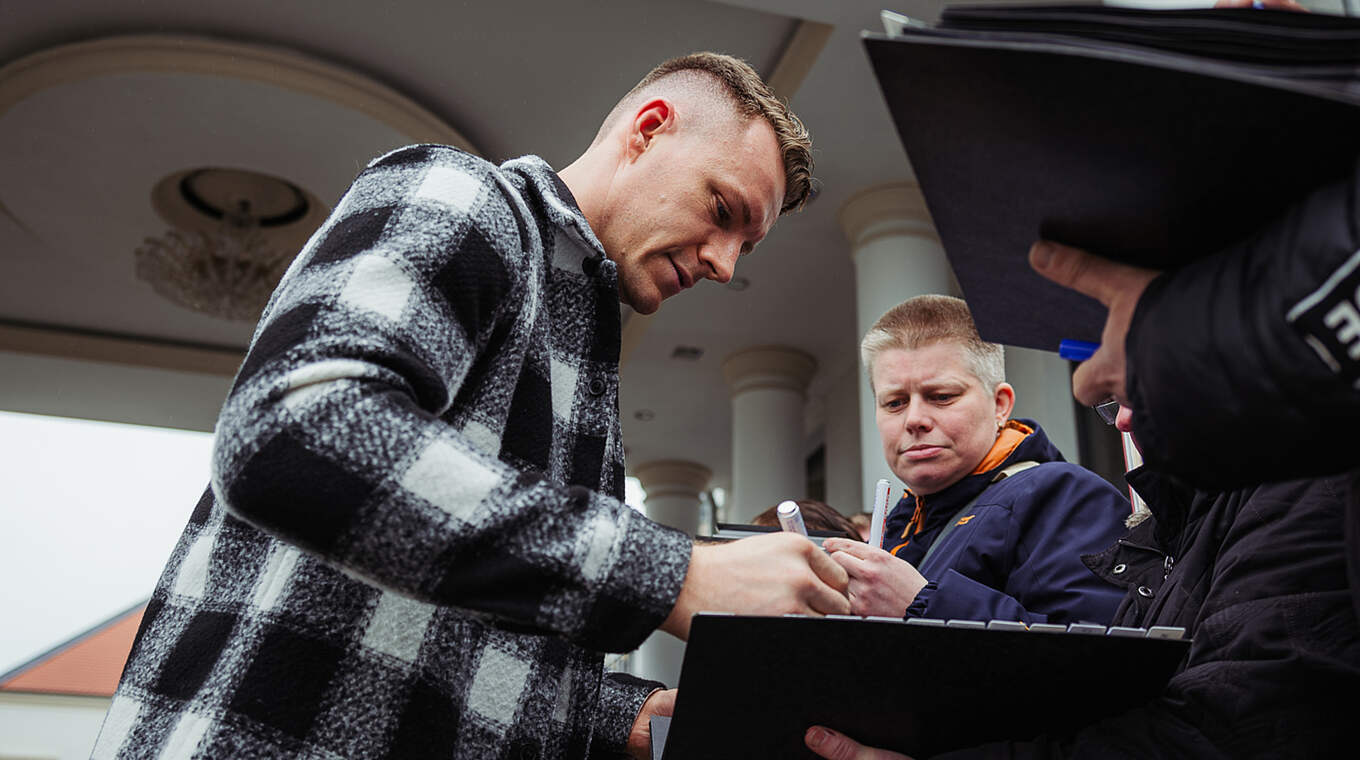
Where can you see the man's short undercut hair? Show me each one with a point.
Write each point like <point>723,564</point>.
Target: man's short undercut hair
<point>735,80</point>
<point>926,320</point>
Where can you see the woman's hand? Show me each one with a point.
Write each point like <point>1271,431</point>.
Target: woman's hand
<point>880,584</point>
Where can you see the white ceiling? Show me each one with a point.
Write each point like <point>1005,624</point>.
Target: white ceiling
<point>78,159</point>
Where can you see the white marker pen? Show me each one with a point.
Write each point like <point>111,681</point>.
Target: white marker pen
<point>791,518</point>
<point>880,510</point>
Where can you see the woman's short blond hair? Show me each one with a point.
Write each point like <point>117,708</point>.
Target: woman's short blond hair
<point>930,319</point>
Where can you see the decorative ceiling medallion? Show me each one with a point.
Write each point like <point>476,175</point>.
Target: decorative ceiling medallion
<point>233,233</point>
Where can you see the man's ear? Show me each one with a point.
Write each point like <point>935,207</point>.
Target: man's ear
<point>654,117</point>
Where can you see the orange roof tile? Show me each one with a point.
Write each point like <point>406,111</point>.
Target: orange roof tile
<point>90,663</point>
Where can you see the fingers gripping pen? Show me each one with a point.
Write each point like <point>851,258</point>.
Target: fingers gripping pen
<point>790,518</point>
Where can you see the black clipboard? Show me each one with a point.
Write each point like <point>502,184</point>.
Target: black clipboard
<point>751,686</point>
<point>1068,123</point>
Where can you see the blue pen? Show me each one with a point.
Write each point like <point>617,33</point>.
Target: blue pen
<point>1077,350</point>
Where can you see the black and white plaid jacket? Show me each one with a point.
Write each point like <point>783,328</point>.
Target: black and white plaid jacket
<point>413,545</point>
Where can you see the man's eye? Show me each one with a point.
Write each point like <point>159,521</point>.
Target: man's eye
<point>723,213</point>
<point>892,404</point>
<point>943,398</point>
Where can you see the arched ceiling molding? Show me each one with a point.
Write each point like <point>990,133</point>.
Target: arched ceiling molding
<point>211,57</point>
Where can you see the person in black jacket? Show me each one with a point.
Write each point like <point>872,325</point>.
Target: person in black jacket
<point>1244,365</point>
<point>1257,577</point>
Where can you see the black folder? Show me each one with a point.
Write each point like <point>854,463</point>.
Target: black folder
<point>735,531</point>
<point>1151,137</point>
<point>751,686</point>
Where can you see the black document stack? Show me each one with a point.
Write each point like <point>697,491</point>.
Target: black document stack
<point>1152,137</point>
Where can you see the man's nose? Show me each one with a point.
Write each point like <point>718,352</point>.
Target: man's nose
<point>720,257</point>
<point>917,417</point>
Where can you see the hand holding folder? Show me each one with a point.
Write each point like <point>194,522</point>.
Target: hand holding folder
<point>659,704</point>
<point>1117,287</point>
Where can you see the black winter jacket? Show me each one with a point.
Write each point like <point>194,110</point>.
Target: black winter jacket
<point>1257,578</point>
<point>1246,365</point>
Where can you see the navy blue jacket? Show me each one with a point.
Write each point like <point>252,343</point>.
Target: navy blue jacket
<point>1017,553</point>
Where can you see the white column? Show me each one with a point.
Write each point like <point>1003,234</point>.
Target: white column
<point>897,255</point>
<point>842,442</point>
<point>768,386</point>
<point>672,487</point>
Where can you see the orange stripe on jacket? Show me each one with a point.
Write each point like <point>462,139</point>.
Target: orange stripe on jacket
<point>1007,441</point>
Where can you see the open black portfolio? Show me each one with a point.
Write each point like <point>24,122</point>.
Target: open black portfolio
<point>751,686</point>
<point>1148,136</point>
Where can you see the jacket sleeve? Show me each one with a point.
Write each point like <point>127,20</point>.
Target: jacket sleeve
<point>333,437</point>
<point>621,698</point>
<point>1058,511</point>
<point>1248,362</point>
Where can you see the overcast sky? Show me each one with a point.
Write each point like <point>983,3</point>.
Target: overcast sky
<point>89,512</point>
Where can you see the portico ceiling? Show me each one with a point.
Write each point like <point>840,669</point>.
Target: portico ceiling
<point>309,91</point>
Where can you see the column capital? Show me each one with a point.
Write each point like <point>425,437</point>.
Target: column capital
<point>882,210</point>
<point>768,367</point>
<point>672,477</point>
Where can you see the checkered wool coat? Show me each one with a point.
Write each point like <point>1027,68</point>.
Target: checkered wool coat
<point>413,545</point>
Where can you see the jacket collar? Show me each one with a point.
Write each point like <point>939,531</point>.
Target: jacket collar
<point>560,207</point>
<point>1169,500</point>
<point>1019,441</point>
